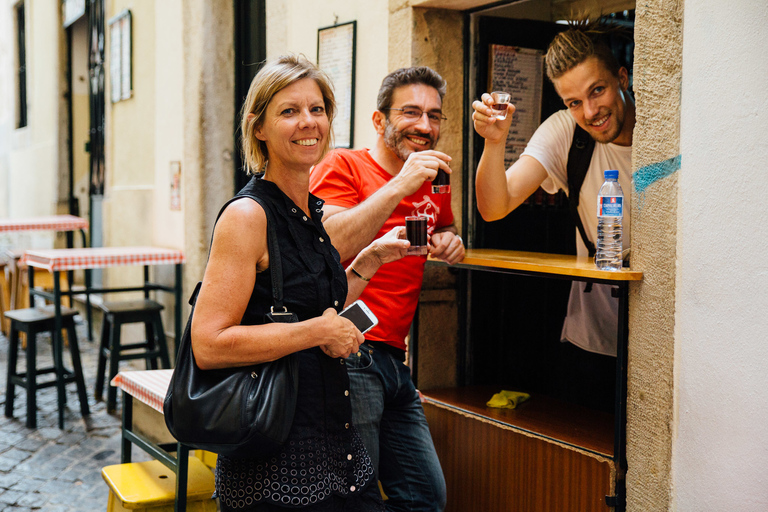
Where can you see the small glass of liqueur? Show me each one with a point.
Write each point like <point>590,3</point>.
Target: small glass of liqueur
<point>416,233</point>
<point>500,104</point>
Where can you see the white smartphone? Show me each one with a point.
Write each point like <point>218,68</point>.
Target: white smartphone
<point>359,314</point>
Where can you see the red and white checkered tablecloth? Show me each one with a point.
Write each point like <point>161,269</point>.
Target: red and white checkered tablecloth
<point>48,223</point>
<point>147,386</point>
<point>100,257</point>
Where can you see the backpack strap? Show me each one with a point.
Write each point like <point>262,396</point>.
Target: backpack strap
<point>579,158</point>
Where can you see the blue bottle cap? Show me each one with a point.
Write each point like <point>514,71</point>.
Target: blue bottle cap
<point>611,175</point>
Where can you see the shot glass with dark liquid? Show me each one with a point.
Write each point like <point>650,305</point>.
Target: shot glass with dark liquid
<point>416,233</point>
<point>442,183</point>
<point>500,104</point>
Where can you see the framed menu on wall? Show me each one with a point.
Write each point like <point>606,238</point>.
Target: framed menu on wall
<point>336,57</point>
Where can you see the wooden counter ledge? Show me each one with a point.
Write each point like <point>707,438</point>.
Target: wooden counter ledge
<point>540,416</point>
<point>541,263</point>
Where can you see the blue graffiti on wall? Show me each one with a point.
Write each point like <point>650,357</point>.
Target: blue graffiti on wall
<point>646,176</point>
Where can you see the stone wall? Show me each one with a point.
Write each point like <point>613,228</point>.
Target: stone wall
<point>656,146</point>
<point>208,120</point>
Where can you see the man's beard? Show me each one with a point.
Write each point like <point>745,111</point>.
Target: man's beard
<point>395,141</point>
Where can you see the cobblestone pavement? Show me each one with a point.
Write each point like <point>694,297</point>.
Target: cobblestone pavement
<point>52,470</point>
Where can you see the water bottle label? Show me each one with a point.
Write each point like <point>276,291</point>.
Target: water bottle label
<point>610,206</point>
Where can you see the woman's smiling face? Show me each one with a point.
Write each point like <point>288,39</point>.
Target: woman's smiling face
<point>296,126</point>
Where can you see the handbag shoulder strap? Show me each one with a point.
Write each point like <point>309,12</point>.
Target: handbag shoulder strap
<point>275,263</point>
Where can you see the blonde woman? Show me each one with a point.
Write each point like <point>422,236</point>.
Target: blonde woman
<point>323,466</point>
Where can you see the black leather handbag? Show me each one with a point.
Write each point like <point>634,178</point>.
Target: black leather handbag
<point>236,412</point>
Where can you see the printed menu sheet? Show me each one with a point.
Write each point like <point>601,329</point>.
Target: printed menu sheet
<point>335,56</point>
<point>520,72</point>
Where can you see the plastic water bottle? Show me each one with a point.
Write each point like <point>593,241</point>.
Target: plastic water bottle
<point>610,212</point>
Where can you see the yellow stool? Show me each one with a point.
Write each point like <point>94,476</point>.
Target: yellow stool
<point>208,458</point>
<point>151,487</point>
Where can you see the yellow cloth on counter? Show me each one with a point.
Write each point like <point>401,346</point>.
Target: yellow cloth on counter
<point>507,399</point>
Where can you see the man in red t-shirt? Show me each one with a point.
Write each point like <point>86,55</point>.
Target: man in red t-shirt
<point>368,193</point>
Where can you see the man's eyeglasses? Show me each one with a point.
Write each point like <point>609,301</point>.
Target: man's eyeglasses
<point>414,114</point>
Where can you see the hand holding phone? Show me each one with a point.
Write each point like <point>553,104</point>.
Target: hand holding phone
<point>359,314</point>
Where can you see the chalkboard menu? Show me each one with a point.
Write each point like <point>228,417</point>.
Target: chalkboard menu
<point>520,72</point>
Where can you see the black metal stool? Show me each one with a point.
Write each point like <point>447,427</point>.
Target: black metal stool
<point>33,321</point>
<point>116,314</point>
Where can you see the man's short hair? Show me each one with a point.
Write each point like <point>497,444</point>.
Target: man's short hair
<point>408,76</point>
<point>582,40</point>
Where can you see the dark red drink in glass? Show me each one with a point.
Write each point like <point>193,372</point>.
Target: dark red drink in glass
<point>416,233</point>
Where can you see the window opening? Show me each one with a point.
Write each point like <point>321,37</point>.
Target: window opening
<point>21,120</point>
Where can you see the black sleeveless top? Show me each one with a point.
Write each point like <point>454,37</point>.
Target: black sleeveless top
<point>324,454</point>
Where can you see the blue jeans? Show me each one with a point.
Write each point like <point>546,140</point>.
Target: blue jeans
<point>390,419</point>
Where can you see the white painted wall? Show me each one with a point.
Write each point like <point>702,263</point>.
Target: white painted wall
<point>130,134</point>
<point>168,225</point>
<point>30,155</point>
<point>292,27</point>
<point>721,443</point>
<point>7,118</point>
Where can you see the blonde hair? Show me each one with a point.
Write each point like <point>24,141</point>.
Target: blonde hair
<point>582,40</point>
<point>271,79</point>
